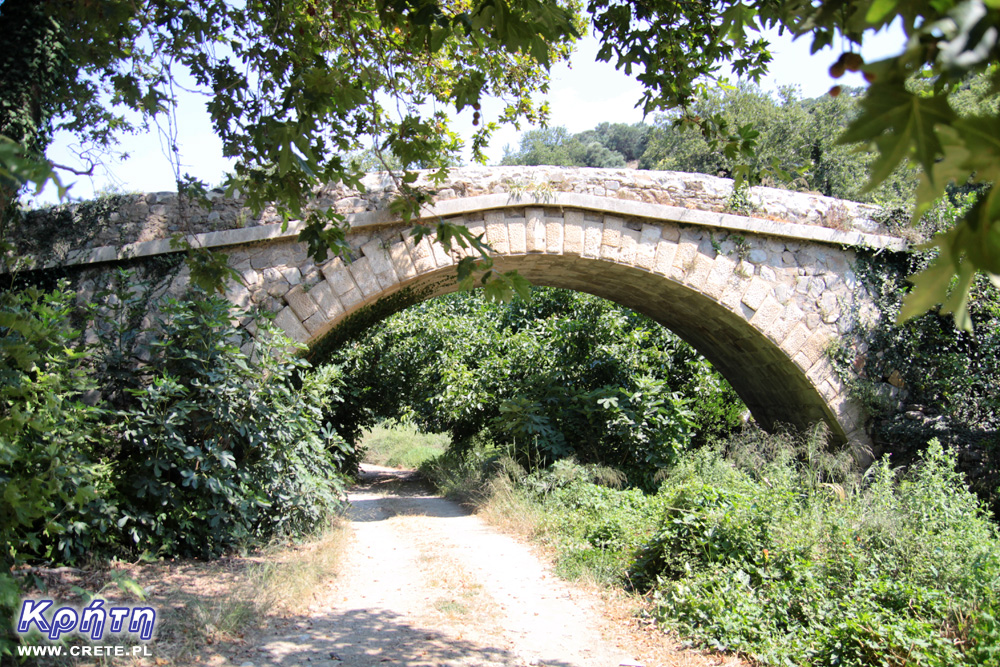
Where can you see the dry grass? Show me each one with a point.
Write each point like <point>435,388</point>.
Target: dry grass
<point>203,605</point>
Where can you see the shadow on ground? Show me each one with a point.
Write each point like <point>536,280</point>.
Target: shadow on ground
<point>366,637</point>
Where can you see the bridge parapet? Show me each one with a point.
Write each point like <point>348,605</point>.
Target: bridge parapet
<point>53,234</point>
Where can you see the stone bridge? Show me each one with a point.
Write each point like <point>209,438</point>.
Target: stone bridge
<point>760,291</point>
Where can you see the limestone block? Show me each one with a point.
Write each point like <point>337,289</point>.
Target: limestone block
<point>291,275</point>
<point>593,235</point>
<point>316,324</point>
<point>277,288</point>
<point>645,253</point>
<point>687,250</point>
<point>554,236</point>
<point>301,302</point>
<point>378,257</point>
<point>496,232</point>
<point>611,235</point>
<point>364,277</point>
<point>441,256</point>
<point>238,295</point>
<point>573,233</point>
<point>819,372</point>
<point>338,276</point>
<point>698,274</point>
<point>722,271</point>
<point>815,346</point>
<point>535,229</point>
<point>795,339</point>
<point>351,298</point>
<point>290,324</point>
<point>756,292</point>
<point>670,232</point>
<point>829,307</point>
<point>251,278</point>
<point>329,304</point>
<point>421,253</point>
<point>629,246</point>
<point>781,326</point>
<point>666,251</point>
<point>517,234</point>
<point>769,311</point>
<point>401,261</point>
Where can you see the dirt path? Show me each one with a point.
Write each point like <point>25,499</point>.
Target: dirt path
<point>425,583</point>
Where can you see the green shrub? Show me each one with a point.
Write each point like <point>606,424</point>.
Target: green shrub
<point>55,503</point>
<point>211,457</point>
<point>791,572</point>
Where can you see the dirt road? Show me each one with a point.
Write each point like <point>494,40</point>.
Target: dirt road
<point>425,583</point>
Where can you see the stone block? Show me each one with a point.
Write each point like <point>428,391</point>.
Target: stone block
<point>756,292</point>
<point>687,250</point>
<point>517,233</point>
<point>593,234</point>
<point>441,256</point>
<point>629,246</point>
<point>769,311</point>
<point>378,257</point>
<point>795,339</point>
<point>611,235</point>
<point>364,277</point>
<point>300,301</point>
<point>535,229</point>
<point>815,346</point>
<point>317,324</point>
<point>718,278</point>
<point>351,298</point>
<point>573,233</point>
<point>554,236</point>
<point>496,232</point>
<point>819,372</point>
<point>421,254</point>
<point>338,276</point>
<point>288,322</point>
<point>666,251</point>
<point>670,232</point>
<point>401,261</point>
<point>329,304</point>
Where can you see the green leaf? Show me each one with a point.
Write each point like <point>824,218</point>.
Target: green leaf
<point>880,10</point>
<point>902,125</point>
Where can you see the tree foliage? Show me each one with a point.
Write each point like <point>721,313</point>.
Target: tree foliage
<point>562,375</point>
<point>608,145</point>
<point>291,86</point>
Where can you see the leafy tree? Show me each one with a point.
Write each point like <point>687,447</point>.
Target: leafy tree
<point>796,142</point>
<point>605,146</point>
<point>565,374</point>
<point>291,85</point>
<point>677,45</point>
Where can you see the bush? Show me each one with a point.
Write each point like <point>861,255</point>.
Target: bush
<point>771,564</point>
<point>56,503</point>
<point>210,457</point>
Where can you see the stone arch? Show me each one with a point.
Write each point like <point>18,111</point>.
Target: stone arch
<point>762,308</point>
<point>760,295</point>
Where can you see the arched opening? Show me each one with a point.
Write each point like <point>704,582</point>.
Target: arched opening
<point>774,387</point>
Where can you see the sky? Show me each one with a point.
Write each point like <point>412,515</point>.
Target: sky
<point>583,94</point>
